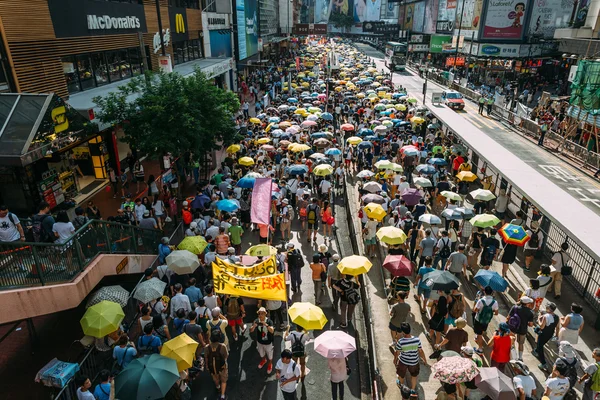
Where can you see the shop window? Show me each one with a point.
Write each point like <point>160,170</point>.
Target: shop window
<point>178,50</point>
<point>209,5</point>
<point>86,73</point>
<point>125,64</point>
<point>114,66</point>
<point>71,76</point>
<point>100,69</point>
<point>135,60</point>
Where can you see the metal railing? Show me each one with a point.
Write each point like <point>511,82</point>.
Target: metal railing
<point>24,264</point>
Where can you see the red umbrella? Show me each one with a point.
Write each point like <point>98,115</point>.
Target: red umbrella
<point>347,127</point>
<point>398,265</point>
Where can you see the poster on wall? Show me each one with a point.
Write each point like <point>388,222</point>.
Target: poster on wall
<point>419,17</point>
<point>446,12</point>
<point>360,10</point>
<point>220,44</point>
<point>504,19</point>
<point>321,11</point>
<point>373,11</point>
<point>247,28</point>
<point>468,15</point>
<point>409,19</point>
<point>431,14</point>
<point>339,6</point>
<point>441,44</point>
<point>549,15</point>
<point>389,10</point>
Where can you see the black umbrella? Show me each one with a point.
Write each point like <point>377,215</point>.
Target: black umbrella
<point>441,280</point>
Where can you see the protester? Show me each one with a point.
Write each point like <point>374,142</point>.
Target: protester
<point>288,375</point>
<point>264,339</point>
<point>215,355</point>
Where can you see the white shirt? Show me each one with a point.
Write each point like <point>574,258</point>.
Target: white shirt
<point>139,211</point>
<point>87,395</point>
<point>213,231</point>
<point>210,301</point>
<point>325,186</point>
<point>558,261</point>
<point>64,229</point>
<point>287,372</point>
<point>524,382</point>
<point>403,186</point>
<point>487,299</point>
<point>558,388</point>
<point>180,301</point>
<point>8,229</point>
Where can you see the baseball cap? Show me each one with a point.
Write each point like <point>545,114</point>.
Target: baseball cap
<point>468,350</point>
<point>290,245</point>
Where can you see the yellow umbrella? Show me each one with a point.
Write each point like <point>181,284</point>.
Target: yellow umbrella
<point>255,120</point>
<point>307,315</point>
<point>400,107</point>
<point>246,161</point>
<point>323,170</point>
<point>193,244</point>
<point>338,88</point>
<point>101,319</point>
<point>360,95</point>
<point>299,147</point>
<point>354,265</point>
<point>285,124</point>
<point>301,111</point>
<point>234,148</point>
<point>466,176</point>
<point>417,120</point>
<point>263,140</point>
<point>354,140</point>
<point>182,349</point>
<point>261,250</point>
<point>375,211</point>
<point>391,235</point>
<point>305,84</point>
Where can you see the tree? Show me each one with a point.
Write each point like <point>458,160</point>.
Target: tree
<point>340,20</point>
<point>169,113</point>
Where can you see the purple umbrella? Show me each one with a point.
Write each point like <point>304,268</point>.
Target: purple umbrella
<point>411,197</point>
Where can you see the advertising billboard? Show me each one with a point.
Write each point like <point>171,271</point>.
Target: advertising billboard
<point>505,19</point>
<point>468,15</point>
<point>441,44</point>
<point>247,22</point>
<point>419,17</point>
<point>389,10</point>
<point>499,50</point>
<point>220,44</point>
<point>431,14</point>
<point>373,10</point>
<point>446,16</point>
<point>549,15</point>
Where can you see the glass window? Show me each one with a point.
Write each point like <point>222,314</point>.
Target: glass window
<point>178,50</point>
<point>136,61</point>
<point>86,74</point>
<point>114,66</point>
<point>71,76</point>
<point>125,64</point>
<point>100,69</point>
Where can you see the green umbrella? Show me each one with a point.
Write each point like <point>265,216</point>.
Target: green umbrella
<point>484,221</point>
<point>146,378</point>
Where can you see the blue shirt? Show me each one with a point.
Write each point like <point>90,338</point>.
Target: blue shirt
<point>193,293</point>
<point>128,352</point>
<point>163,252</point>
<point>422,272</point>
<point>102,391</point>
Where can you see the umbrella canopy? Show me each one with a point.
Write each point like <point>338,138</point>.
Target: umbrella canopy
<point>227,205</point>
<point>495,384</point>
<point>514,234</point>
<point>454,370</point>
<point>333,152</point>
<point>411,196</point>
<point>423,182</point>
<point>365,173</point>
<point>451,213</point>
<point>182,349</point>
<point>298,169</point>
<point>354,140</point>
<point>491,279</point>
<point>193,244</point>
<point>430,219</point>
<point>398,265</point>
<point>467,176</point>
<point>437,161</point>
<point>321,142</point>
<point>182,262</point>
<point>254,120</point>
<point>261,250</point>
<point>146,378</point>
<point>149,290</point>
<point>308,124</point>
<point>114,293</point>
<point>375,211</point>
<point>354,265</point>
<point>317,155</point>
<point>373,198</point>
<point>384,164</point>
<point>482,194</point>
<point>451,195</point>
<point>246,161</point>
<point>347,127</point>
<point>391,235</point>
<point>323,170</point>
<point>234,148</point>
<point>246,182</point>
<point>441,280</point>
<point>484,220</point>
<point>101,319</point>
<point>335,344</point>
<point>426,169</point>
<point>299,148</point>
<point>372,187</point>
<point>364,145</point>
<point>307,315</point>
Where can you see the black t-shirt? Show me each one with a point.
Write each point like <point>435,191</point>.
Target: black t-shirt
<point>480,207</point>
<point>526,316</point>
<point>263,336</point>
<point>192,330</point>
<point>442,306</point>
<point>491,241</point>
<point>478,238</point>
<point>345,285</point>
<point>443,185</point>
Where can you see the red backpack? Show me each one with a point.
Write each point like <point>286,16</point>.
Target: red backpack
<point>187,216</point>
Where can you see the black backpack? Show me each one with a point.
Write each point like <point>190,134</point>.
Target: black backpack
<point>145,349</point>
<point>445,250</point>
<point>298,347</point>
<point>216,330</point>
<point>214,359</point>
<point>295,259</point>
<point>570,371</point>
<point>534,242</point>
<point>39,232</point>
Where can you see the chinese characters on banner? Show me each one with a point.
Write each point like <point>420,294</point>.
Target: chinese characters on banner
<point>266,287</point>
<point>267,267</point>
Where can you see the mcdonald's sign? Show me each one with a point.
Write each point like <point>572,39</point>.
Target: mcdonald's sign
<point>179,24</point>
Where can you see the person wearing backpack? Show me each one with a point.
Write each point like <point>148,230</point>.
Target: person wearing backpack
<point>287,374</point>
<point>490,246</point>
<point>349,297</point>
<point>264,339</point>
<point>215,355</point>
<point>520,317</point>
<point>42,224</point>
<point>442,250</point>
<point>148,343</point>
<point>319,276</point>
<point>298,338</point>
<point>235,312</point>
<point>295,262</point>
<point>313,211</point>
<point>217,326</point>
<point>456,307</point>
<point>546,329</point>
<point>485,309</point>
<point>567,357</point>
<point>124,352</point>
<point>10,226</point>
<point>534,244</point>
<point>591,377</point>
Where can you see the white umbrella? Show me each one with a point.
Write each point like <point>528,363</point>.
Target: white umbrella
<point>430,219</point>
<point>423,182</point>
<point>451,195</point>
<point>372,187</point>
<point>335,344</point>
<point>365,173</point>
<point>182,262</point>
<point>149,290</point>
<point>482,194</point>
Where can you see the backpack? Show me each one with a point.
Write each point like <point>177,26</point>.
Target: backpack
<point>311,214</point>
<point>178,324</point>
<point>214,359</point>
<point>490,252</point>
<point>352,296</point>
<point>291,213</point>
<point>486,314</point>
<point>295,259</point>
<point>445,250</point>
<point>187,217</point>
<point>571,371</point>
<point>458,307</point>
<point>534,242</point>
<point>298,347</point>
<point>145,349</point>
<point>233,308</point>
<point>39,232</point>
<point>216,330</point>
<point>514,320</point>
<point>595,385</point>
<point>203,319</point>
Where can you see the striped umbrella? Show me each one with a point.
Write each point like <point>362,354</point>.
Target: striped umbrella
<point>514,234</point>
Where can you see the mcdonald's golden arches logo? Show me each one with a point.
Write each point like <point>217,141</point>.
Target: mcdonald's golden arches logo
<point>179,23</point>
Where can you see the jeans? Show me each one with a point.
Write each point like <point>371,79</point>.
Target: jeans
<point>346,312</point>
<point>318,285</point>
<point>289,396</point>
<point>334,390</point>
<point>541,342</point>
<point>295,276</point>
<point>437,259</point>
<point>336,298</point>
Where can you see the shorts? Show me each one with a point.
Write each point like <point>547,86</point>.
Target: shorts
<point>521,339</point>
<point>450,320</point>
<point>348,161</point>
<point>371,241</point>
<point>265,350</point>
<point>425,292</point>
<point>394,328</point>
<point>262,240</point>
<point>412,369</point>
<point>234,322</point>
<point>139,179</point>
<point>479,328</point>
<point>313,227</point>
<point>221,377</point>
<point>285,225</point>
<point>529,252</point>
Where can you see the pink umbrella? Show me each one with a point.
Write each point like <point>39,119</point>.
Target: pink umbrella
<point>398,265</point>
<point>347,127</point>
<point>411,196</point>
<point>267,147</point>
<point>335,344</point>
<point>292,130</point>
<point>410,146</point>
<point>454,370</point>
<point>322,96</point>
<point>308,124</point>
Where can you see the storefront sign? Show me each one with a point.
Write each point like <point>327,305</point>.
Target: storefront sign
<point>156,40</point>
<point>164,63</point>
<point>247,28</point>
<point>309,29</point>
<point>418,48</point>
<point>455,61</point>
<point>444,27</point>
<point>178,24</point>
<point>504,19</point>
<point>73,18</point>
<point>499,50</point>
<point>216,21</point>
<point>369,26</point>
<point>441,44</point>
<point>217,69</point>
<point>416,38</point>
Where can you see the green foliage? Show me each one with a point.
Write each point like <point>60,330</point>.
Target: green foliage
<point>163,113</point>
<point>340,20</point>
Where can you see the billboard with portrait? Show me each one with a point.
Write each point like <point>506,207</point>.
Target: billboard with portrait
<point>505,19</point>
<point>468,15</point>
<point>549,15</point>
<point>373,10</point>
<point>389,10</point>
<point>431,15</point>
<point>446,13</point>
<point>247,22</point>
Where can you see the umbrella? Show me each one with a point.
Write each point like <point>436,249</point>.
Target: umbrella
<point>454,370</point>
<point>354,140</point>
<point>466,176</point>
<point>261,250</point>
<point>146,378</point>
<point>495,384</point>
<point>263,140</point>
<point>354,265</point>
<point>426,169</point>
<point>267,147</point>
<point>182,349</point>
<point>114,293</point>
<point>234,148</point>
<point>321,135</point>
<point>149,290</point>
<point>298,169</point>
<point>430,219</point>
<point>423,182</point>
<point>466,212</point>
<point>317,155</point>
<point>323,170</point>
<point>299,148</point>
<point>308,124</point>
<point>101,319</point>
<point>193,244</point>
<point>375,211</point>
<point>437,161</point>
<point>372,187</point>
<point>347,127</point>
<point>246,161</point>
<point>182,262</point>
<point>491,279</point>
<point>441,280</point>
<point>364,145</point>
<point>321,142</point>
<point>384,164</point>
<point>227,205</point>
<point>451,213</point>
<point>253,175</point>
<point>514,234</point>
<point>333,152</point>
<point>335,344</point>
<point>411,196</point>
<point>246,182</point>
<point>451,195</point>
<point>254,120</point>
<point>482,194</point>
<point>411,152</point>
<point>365,173</point>
<point>484,220</point>
<point>398,265</point>
<point>391,235</point>
<point>307,315</point>
<point>327,116</point>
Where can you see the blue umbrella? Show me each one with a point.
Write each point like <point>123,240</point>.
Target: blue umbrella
<point>365,132</point>
<point>435,125</point>
<point>437,161</point>
<point>333,152</point>
<point>246,182</point>
<point>292,100</point>
<point>426,169</point>
<point>319,135</point>
<point>491,279</point>
<point>293,108</point>
<point>364,145</point>
<point>327,116</point>
<point>404,123</point>
<point>315,94</point>
<point>371,137</point>
<point>397,121</point>
<point>452,213</point>
<point>274,120</point>
<point>297,170</point>
<point>261,115</point>
<point>227,205</point>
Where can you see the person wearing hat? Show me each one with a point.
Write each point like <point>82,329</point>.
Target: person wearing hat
<point>523,382</point>
<point>191,231</point>
<point>264,338</point>
<point>590,389</point>
<point>557,385</point>
<point>534,244</point>
<point>519,319</point>
<point>456,337</point>
<point>468,352</point>
<point>286,220</point>
<point>501,343</point>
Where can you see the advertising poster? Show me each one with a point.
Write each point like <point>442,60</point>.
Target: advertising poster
<point>431,16</point>
<point>549,15</point>
<point>419,17</point>
<point>373,10</point>
<point>321,11</point>
<point>441,44</point>
<point>504,19</point>
<point>360,10</point>
<point>220,44</point>
<point>241,23</point>
<point>340,6</point>
<point>389,10</point>
<point>499,50</point>
<point>409,19</point>
<point>446,10</point>
<point>251,11</point>
<point>470,14</point>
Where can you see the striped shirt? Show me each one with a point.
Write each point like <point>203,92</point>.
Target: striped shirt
<point>409,350</point>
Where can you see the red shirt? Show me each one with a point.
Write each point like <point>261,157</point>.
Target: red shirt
<point>501,350</point>
<point>457,161</point>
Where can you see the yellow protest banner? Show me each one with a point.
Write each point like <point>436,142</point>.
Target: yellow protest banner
<point>267,267</point>
<point>269,287</point>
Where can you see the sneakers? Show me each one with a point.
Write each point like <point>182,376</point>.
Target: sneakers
<point>262,363</point>
<point>535,353</point>
<point>270,368</point>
